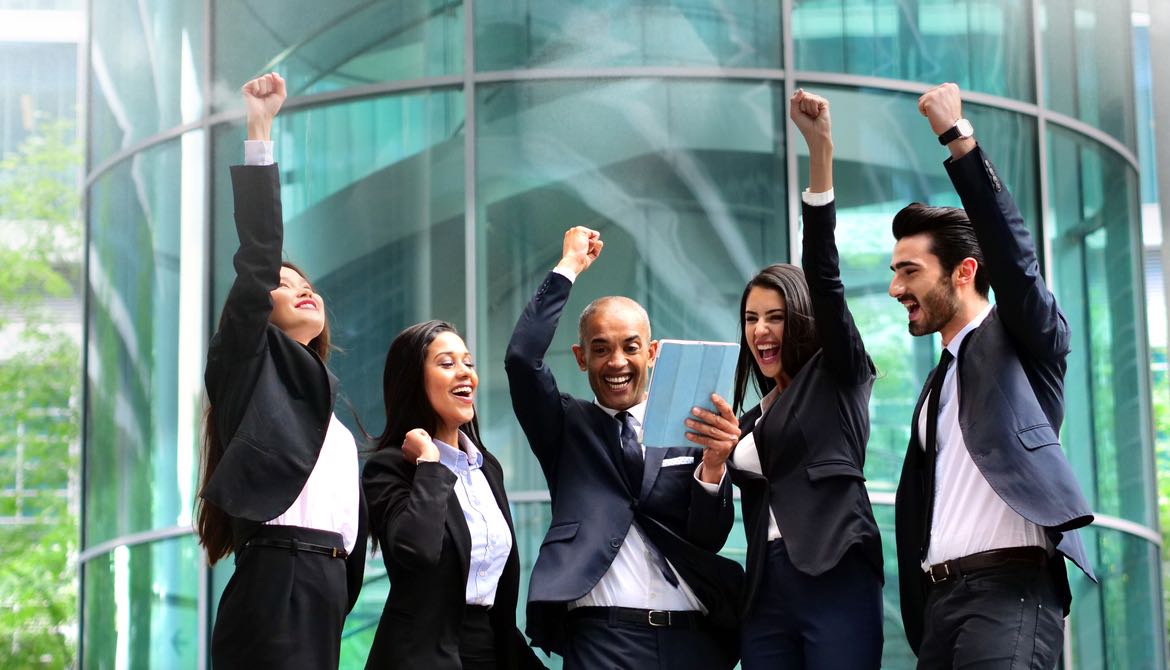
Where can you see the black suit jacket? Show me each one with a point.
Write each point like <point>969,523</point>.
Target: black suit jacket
<point>578,447</point>
<point>812,441</point>
<point>418,522</point>
<point>1011,396</point>
<point>272,396</point>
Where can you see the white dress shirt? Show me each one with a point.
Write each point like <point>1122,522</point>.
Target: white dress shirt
<point>747,457</point>
<point>491,541</point>
<point>969,516</point>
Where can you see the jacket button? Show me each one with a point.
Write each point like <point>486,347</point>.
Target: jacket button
<point>615,542</point>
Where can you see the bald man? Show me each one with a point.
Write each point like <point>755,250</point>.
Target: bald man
<point>627,575</point>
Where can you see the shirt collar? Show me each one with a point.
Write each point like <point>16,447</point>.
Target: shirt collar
<point>957,340</point>
<point>466,457</point>
<point>637,412</point>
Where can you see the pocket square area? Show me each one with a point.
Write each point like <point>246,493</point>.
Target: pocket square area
<point>678,460</point>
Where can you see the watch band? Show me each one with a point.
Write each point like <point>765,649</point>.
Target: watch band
<point>961,129</point>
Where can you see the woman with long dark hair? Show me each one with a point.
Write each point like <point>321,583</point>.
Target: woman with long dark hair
<point>439,513</point>
<point>279,485</point>
<point>814,562</point>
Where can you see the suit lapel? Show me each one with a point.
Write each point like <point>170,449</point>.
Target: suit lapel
<point>653,463</point>
<point>495,479</point>
<point>609,427</point>
<point>460,535</point>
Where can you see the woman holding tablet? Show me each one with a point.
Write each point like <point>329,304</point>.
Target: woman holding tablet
<point>814,564</point>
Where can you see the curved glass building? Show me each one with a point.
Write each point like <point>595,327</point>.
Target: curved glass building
<point>433,152</point>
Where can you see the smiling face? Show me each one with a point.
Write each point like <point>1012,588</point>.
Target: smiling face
<point>763,329</point>
<point>296,308</point>
<point>617,353</point>
<point>450,381</point>
<point>919,283</point>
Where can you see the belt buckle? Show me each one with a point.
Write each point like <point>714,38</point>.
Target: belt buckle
<point>658,618</point>
<point>934,579</point>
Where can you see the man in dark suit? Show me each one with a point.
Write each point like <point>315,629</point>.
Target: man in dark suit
<point>627,576</point>
<point>987,505</point>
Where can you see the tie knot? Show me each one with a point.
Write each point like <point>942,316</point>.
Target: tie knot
<point>624,417</point>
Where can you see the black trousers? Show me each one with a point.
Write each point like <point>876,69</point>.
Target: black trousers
<point>477,640</point>
<point>282,609</point>
<point>597,644</point>
<point>832,621</point>
<point>1004,617</point>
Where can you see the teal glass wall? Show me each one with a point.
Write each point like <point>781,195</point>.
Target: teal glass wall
<point>432,153</point>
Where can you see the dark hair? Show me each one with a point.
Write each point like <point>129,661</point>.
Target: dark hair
<point>952,238</point>
<point>404,392</point>
<point>800,329</point>
<point>212,524</point>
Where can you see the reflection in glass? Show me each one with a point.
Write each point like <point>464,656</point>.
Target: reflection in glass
<point>983,45</point>
<point>1094,205</point>
<point>140,606</point>
<point>372,195</point>
<point>683,179</point>
<point>136,477</point>
<point>347,43</point>
<point>544,34</point>
<point>145,71</point>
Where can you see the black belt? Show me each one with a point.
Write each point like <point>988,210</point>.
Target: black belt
<point>653,618</point>
<point>986,560</point>
<point>296,545</point>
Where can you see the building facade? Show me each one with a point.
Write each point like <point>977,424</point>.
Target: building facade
<point>432,153</point>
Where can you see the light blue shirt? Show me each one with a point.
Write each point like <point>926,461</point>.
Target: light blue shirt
<point>491,541</point>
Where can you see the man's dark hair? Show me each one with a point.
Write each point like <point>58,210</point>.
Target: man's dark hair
<point>952,238</point>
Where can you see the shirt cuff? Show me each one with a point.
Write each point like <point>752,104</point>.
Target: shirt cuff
<point>567,274</point>
<point>713,489</point>
<point>258,152</point>
<point>817,199</point>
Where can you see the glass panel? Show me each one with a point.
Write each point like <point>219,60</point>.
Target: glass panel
<point>576,34</point>
<point>346,43</point>
<point>983,45</point>
<point>140,607</point>
<point>685,181</point>
<point>1087,63</point>
<point>139,473</point>
<point>1117,623</point>
<point>1094,205</point>
<point>35,80</point>
<point>372,194</point>
<point>894,160</point>
<point>145,71</point>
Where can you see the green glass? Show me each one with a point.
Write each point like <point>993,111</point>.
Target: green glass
<point>516,34</point>
<point>1088,67</point>
<point>140,606</point>
<point>879,167</point>
<point>373,201</point>
<point>320,47</point>
<point>983,45</point>
<point>1093,196</point>
<point>146,71</point>
<point>685,182</point>
<point>138,476</point>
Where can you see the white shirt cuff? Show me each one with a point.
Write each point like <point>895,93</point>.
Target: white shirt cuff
<point>710,488</point>
<point>567,274</point>
<point>258,152</point>
<point>817,199</point>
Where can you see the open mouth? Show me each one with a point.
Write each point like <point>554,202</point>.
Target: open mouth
<point>464,392</point>
<point>913,309</point>
<point>769,353</point>
<point>307,303</point>
<point>618,383</point>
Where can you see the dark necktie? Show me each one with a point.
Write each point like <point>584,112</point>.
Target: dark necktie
<point>634,464</point>
<point>931,446</point>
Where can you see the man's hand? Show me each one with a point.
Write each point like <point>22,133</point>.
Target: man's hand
<point>718,433</point>
<point>942,106</point>
<point>418,446</point>
<point>581,247</point>
<point>263,97</point>
<point>810,113</point>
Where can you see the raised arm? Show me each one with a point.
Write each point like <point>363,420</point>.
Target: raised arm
<point>1024,303</point>
<point>536,400</point>
<point>844,351</point>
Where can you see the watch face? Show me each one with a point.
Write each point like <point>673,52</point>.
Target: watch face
<point>965,128</point>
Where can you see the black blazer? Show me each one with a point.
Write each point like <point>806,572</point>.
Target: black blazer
<point>812,440</point>
<point>272,395</point>
<point>418,522</point>
<point>578,446</point>
<point>1011,396</point>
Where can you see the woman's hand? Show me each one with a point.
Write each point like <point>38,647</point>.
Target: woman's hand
<point>418,447</point>
<point>263,97</point>
<point>718,433</point>
<point>810,113</point>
